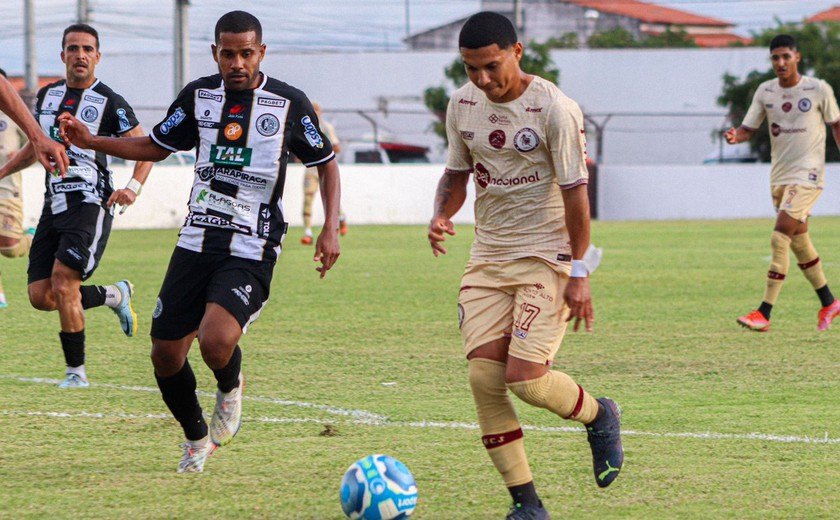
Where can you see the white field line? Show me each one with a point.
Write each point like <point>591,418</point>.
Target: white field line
<point>363,417</point>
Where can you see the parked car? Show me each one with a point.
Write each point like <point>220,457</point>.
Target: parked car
<point>382,152</point>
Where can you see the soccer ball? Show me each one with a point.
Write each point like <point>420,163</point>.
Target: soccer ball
<point>378,487</point>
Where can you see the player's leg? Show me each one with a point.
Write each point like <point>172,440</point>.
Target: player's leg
<point>14,243</point>
<point>236,295</point>
<point>538,329</point>
<point>310,189</point>
<point>65,282</point>
<point>484,315</point>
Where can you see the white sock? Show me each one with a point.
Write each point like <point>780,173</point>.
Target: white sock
<point>2,297</point>
<point>113,296</point>
<point>79,371</point>
<point>308,232</point>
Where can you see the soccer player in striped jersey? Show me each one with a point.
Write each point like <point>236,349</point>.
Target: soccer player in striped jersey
<point>78,207</point>
<point>243,125</point>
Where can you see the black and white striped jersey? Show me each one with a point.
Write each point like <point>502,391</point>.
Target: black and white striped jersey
<point>105,113</point>
<point>242,141</point>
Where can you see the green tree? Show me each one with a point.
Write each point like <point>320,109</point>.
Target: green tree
<point>535,60</point>
<point>819,45</point>
<point>620,38</point>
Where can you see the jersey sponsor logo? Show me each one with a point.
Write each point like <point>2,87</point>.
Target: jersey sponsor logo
<point>89,114</point>
<point>56,93</point>
<point>497,139</point>
<point>787,106</point>
<point>216,222</point>
<point>467,102</point>
<point>94,99</point>
<point>233,131</point>
<point>768,105</point>
<point>526,140</point>
<point>230,155</point>
<point>83,172</point>
<point>3,126</point>
<point>312,134</point>
<point>209,199</point>
<point>231,176</point>
<point>776,130</point>
<point>264,221</point>
<point>236,112</point>
<point>209,124</point>
<point>533,109</point>
<point>69,104</point>
<point>268,125</point>
<point>173,120</point>
<point>203,94</point>
<point>243,293</point>
<point>55,135</point>
<point>484,179</point>
<point>268,102</point>
<point>467,136</point>
<point>498,120</point>
<point>804,104</point>
<point>66,187</point>
<point>70,152</point>
<point>122,117</point>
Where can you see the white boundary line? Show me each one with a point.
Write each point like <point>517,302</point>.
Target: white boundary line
<point>362,417</point>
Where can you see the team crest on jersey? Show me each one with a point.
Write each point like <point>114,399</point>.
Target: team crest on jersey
<point>526,140</point>
<point>172,121</point>
<point>89,114</point>
<point>804,104</point>
<point>268,125</point>
<point>497,139</point>
<point>3,126</point>
<point>787,106</point>
<point>467,136</point>
<point>312,133</point>
<point>233,131</point>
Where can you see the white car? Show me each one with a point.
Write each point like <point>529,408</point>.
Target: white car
<point>382,152</point>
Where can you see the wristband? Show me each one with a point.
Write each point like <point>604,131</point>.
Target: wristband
<point>135,186</point>
<point>579,269</point>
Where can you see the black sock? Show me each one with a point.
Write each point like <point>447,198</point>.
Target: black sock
<point>92,296</point>
<point>227,378</point>
<point>826,298</point>
<point>73,345</point>
<point>179,395</point>
<point>765,309</point>
<point>525,494</point>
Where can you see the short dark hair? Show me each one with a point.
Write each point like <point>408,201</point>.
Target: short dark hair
<point>783,40</point>
<point>238,22</point>
<point>486,28</point>
<point>3,73</point>
<point>82,28</point>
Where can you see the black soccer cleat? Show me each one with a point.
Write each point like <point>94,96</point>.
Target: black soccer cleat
<point>527,512</point>
<point>604,436</point>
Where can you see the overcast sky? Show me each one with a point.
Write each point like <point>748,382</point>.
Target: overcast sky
<point>350,25</point>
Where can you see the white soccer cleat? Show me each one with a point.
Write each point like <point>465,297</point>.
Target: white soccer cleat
<point>74,381</point>
<point>125,311</point>
<point>227,416</point>
<point>195,455</point>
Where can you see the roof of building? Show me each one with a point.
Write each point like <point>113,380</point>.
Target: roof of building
<point>649,13</point>
<point>713,40</point>
<point>829,15</point>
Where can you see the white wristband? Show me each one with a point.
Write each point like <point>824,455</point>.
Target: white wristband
<point>134,185</point>
<point>579,269</point>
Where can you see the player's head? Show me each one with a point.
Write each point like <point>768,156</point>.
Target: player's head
<point>784,56</point>
<point>491,54</point>
<point>239,49</point>
<point>80,53</point>
<point>3,73</point>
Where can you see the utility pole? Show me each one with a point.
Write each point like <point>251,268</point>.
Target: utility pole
<point>517,15</point>
<point>82,11</point>
<point>407,19</point>
<point>181,45</point>
<point>31,65</point>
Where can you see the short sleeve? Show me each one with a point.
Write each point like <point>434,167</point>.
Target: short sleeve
<point>307,141</point>
<point>566,137</point>
<point>459,157</point>
<point>831,114</point>
<point>121,118</point>
<point>179,131</point>
<point>755,114</point>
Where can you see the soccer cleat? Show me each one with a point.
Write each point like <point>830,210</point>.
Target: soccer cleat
<point>828,313</point>
<point>604,436</point>
<point>755,321</point>
<point>74,381</point>
<point>306,240</point>
<point>125,311</point>
<point>343,228</point>
<point>527,512</point>
<point>195,455</point>
<point>227,416</point>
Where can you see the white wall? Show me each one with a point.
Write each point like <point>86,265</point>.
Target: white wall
<point>379,194</point>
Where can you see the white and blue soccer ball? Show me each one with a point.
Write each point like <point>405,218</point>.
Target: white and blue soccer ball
<point>378,487</point>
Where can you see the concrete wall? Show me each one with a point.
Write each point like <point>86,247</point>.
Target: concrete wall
<point>378,194</point>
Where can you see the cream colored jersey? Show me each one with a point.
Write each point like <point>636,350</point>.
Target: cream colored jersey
<point>796,117</point>
<point>522,154</point>
<point>11,140</point>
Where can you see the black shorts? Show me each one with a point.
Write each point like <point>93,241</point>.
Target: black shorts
<point>76,237</point>
<point>193,280</point>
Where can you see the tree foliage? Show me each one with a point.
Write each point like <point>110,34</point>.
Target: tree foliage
<point>620,38</point>
<point>536,60</point>
<point>819,45</point>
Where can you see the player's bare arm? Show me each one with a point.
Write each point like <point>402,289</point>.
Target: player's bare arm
<point>577,294</point>
<point>126,196</point>
<point>17,161</point>
<point>48,152</point>
<point>134,148</point>
<point>835,132</point>
<point>450,196</point>
<point>738,135</point>
<point>327,249</point>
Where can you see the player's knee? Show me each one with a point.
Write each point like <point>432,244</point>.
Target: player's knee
<point>532,391</point>
<point>41,300</point>
<point>64,289</point>
<point>166,361</point>
<point>216,351</point>
<point>487,377</point>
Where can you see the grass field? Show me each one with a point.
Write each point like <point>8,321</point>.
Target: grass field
<point>721,422</point>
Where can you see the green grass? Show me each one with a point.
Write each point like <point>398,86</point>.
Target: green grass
<point>666,346</point>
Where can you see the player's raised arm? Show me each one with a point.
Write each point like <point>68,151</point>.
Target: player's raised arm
<point>75,132</point>
<point>23,158</point>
